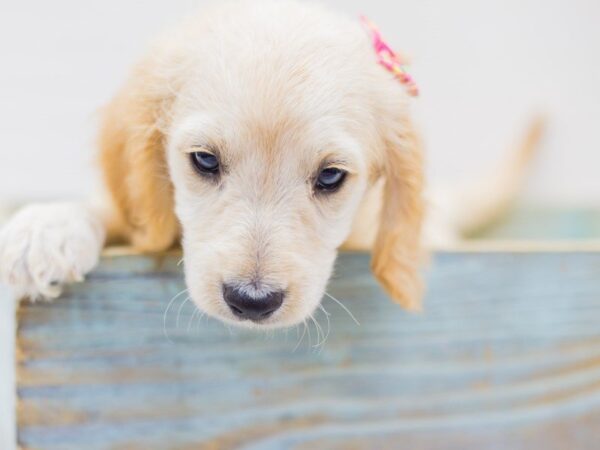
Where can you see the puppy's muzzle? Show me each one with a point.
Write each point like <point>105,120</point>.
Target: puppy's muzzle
<point>255,308</point>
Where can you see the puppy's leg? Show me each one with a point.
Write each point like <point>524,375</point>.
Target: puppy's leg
<point>45,246</point>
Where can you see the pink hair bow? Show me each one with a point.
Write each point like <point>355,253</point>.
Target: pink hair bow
<point>389,59</point>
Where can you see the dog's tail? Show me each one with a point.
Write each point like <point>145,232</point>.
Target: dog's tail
<point>472,207</point>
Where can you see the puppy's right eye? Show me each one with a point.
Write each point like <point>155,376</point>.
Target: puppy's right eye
<point>205,163</point>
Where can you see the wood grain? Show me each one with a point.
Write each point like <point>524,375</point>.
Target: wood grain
<point>506,356</point>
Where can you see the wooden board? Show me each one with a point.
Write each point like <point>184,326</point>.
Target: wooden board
<point>506,356</point>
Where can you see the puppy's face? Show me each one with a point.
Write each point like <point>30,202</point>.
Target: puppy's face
<point>272,130</point>
<point>264,202</point>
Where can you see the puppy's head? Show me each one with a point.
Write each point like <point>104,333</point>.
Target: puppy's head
<point>256,134</point>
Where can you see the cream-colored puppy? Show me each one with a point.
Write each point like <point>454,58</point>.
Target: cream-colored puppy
<point>254,134</point>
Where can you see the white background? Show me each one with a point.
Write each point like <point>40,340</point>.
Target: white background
<point>484,69</point>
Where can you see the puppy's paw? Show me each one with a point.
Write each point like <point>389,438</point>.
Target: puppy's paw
<point>45,246</point>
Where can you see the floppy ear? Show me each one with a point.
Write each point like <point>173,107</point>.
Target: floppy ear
<point>396,254</point>
<point>134,165</point>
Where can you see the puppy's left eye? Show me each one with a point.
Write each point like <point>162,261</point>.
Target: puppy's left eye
<point>330,179</point>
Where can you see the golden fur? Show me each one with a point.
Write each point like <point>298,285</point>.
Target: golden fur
<point>134,167</point>
<point>397,247</point>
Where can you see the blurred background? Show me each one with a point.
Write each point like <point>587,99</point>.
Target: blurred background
<point>484,69</point>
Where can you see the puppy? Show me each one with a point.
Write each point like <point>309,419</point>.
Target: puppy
<point>261,136</point>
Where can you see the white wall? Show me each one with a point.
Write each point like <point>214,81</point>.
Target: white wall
<point>483,67</point>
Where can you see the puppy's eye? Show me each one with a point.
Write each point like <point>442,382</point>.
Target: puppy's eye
<point>205,162</point>
<point>330,179</point>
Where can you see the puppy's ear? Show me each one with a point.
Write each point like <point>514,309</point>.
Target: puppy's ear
<point>396,254</point>
<point>134,165</point>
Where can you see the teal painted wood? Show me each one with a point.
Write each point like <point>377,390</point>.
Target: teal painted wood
<point>506,355</point>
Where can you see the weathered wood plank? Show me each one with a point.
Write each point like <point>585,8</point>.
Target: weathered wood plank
<point>506,355</point>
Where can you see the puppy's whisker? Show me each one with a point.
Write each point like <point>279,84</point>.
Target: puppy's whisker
<point>180,262</point>
<point>325,336</point>
<point>199,320</point>
<point>322,308</point>
<point>179,312</point>
<point>191,321</point>
<point>320,333</point>
<point>167,311</point>
<point>301,337</point>
<point>343,307</point>
<point>312,319</point>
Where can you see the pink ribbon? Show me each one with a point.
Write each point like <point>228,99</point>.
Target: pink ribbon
<point>389,59</point>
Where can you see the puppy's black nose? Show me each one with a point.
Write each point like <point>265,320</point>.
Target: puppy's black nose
<point>254,308</point>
